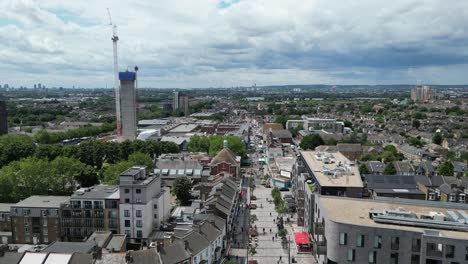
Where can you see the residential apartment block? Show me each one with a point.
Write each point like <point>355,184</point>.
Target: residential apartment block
<point>91,209</point>
<point>37,219</point>
<point>144,205</point>
<point>389,231</point>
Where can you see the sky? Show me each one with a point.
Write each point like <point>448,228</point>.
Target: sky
<point>225,43</point>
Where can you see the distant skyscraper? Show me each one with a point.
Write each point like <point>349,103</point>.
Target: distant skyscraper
<point>128,104</point>
<point>39,85</point>
<point>176,101</point>
<point>181,102</point>
<point>422,93</point>
<point>35,86</point>
<point>3,118</point>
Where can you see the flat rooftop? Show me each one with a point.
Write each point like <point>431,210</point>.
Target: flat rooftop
<point>332,169</point>
<point>338,210</point>
<point>5,207</point>
<point>42,201</point>
<point>183,128</point>
<point>97,192</point>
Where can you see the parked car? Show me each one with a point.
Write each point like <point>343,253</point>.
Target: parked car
<point>253,206</point>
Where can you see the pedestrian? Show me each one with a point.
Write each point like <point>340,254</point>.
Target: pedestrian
<point>270,230</point>
<point>242,229</point>
<point>280,258</point>
<point>270,213</point>
<point>274,220</point>
<point>273,238</point>
<point>276,235</point>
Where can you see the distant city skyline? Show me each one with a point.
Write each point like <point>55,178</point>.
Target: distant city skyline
<point>225,43</point>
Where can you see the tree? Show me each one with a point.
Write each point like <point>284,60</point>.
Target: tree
<point>199,144</point>
<point>311,142</point>
<point>182,188</point>
<point>33,176</point>
<point>281,119</point>
<point>48,151</point>
<point>416,123</point>
<point>14,147</point>
<point>234,143</point>
<point>446,169</point>
<point>437,138</point>
<point>111,173</point>
<point>363,169</point>
<point>390,169</point>
<point>139,158</point>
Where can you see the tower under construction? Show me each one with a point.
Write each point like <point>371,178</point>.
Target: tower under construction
<point>128,104</point>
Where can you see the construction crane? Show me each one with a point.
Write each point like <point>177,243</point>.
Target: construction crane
<point>115,38</point>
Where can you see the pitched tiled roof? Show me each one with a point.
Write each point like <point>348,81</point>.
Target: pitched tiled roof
<point>225,155</point>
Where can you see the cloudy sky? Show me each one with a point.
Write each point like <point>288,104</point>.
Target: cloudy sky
<point>212,43</point>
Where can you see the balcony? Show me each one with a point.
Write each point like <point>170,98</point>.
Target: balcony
<point>318,229</point>
<point>319,249</point>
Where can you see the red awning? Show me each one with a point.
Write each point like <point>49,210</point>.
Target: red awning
<point>301,238</point>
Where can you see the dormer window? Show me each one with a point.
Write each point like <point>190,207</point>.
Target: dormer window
<point>461,198</point>
<point>452,198</point>
<point>431,197</point>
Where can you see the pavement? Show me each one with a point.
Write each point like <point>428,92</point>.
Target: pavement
<point>269,250</point>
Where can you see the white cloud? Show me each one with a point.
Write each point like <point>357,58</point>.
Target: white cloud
<point>204,43</point>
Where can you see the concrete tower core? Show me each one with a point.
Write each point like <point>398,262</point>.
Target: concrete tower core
<point>128,104</point>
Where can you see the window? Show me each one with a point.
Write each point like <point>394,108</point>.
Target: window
<point>112,223</point>
<point>351,253</point>
<point>360,240</point>
<point>449,251</point>
<point>416,245</point>
<point>155,216</point>
<point>26,221</point>
<point>88,204</point>
<point>127,190</point>
<point>453,198</point>
<point>112,214</point>
<point>138,190</point>
<point>98,205</point>
<point>415,259</point>
<point>127,200</point>
<point>45,231</point>
<point>343,238</point>
<point>26,229</point>
<point>46,239</point>
<point>26,212</point>
<point>434,249</point>
<point>395,245</point>
<point>138,201</point>
<point>394,258</point>
<point>377,241</point>
<point>461,198</point>
<point>155,206</point>
<point>44,222</point>
<point>139,223</point>
<point>127,213</point>
<point>44,213</point>
<point>127,233</point>
<point>431,197</point>
<point>138,213</point>
<point>372,257</point>
<point>127,223</point>
<point>139,233</point>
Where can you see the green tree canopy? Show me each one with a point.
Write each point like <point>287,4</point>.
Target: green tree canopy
<point>437,138</point>
<point>15,147</point>
<point>33,176</point>
<point>182,188</point>
<point>311,142</point>
<point>199,144</point>
<point>111,173</point>
<point>416,123</point>
<point>390,169</point>
<point>363,169</point>
<point>446,169</point>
